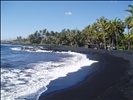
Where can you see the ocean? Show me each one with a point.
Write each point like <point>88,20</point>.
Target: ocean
<point>25,75</point>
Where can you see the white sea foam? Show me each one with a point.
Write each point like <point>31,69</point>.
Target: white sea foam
<point>10,45</point>
<point>28,83</point>
<point>19,49</point>
<point>16,49</point>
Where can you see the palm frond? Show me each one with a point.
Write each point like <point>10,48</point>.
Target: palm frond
<point>130,10</point>
<point>131,6</point>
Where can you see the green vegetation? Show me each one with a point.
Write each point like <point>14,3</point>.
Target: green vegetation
<point>101,34</point>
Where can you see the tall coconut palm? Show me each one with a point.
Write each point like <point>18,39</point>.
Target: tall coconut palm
<point>102,24</point>
<point>129,19</point>
<point>129,22</point>
<point>87,32</point>
<point>96,35</point>
<point>119,30</point>
<point>115,28</point>
<point>131,38</point>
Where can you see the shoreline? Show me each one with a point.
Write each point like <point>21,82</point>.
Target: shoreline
<point>117,62</point>
<point>76,78</point>
<point>64,83</point>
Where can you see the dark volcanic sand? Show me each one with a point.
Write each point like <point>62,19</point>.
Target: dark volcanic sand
<point>107,84</point>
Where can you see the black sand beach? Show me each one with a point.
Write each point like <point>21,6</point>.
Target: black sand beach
<point>113,82</point>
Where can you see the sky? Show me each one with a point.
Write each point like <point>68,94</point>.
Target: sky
<point>22,18</point>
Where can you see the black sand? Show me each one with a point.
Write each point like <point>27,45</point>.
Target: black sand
<point>111,83</point>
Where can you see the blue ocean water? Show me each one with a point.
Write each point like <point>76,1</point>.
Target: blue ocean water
<point>26,74</point>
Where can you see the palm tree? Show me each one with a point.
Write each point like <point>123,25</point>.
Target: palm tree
<point>129,22</point>
<point>86,33</point>
<point>115,28</point>
<point>102,24</point>
<point>131,38</point>
<point>95,35</point>
<point>129,19</point>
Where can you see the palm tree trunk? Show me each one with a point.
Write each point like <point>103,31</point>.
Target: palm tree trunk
<point>104,41</point>
<point>98,44</point>
<point>116,41</point>
<point>128,40</point>
<point>112,41</point>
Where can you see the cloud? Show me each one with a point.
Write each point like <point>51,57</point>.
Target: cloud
<point>68,13</point>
